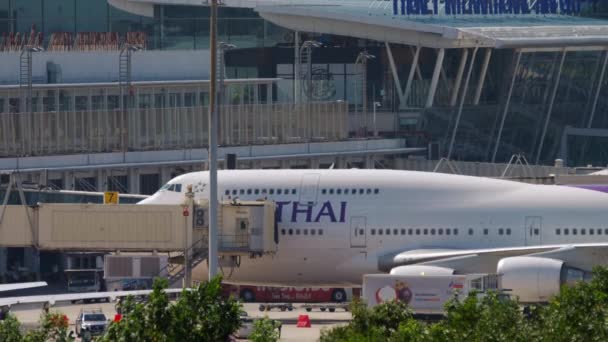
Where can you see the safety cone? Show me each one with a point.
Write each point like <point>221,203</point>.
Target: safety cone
<point>303,321</point>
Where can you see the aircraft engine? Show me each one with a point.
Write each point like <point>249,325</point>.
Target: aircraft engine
<point>418,270</point>
<point>536,279</point>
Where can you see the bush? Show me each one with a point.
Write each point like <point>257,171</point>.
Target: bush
<point>200,314</point>
<point>10,329</point>
<point>265,330</point>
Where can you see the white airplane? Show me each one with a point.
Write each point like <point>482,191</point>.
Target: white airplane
<point>336,225</point>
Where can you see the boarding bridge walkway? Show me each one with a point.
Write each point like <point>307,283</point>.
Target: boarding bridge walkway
<point>244,228</point>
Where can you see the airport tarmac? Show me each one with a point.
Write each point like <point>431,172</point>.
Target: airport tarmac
<point>29,315</point>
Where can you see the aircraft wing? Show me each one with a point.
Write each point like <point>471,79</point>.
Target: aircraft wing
<point>21,286</point>
<point>583,256</point>
<point>52,299</point>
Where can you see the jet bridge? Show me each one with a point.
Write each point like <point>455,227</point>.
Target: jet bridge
<point>244,227</point>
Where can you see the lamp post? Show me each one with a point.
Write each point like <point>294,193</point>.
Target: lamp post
<point>213,127</point>
<point>306,57</point>
<point>376,105</point>
<point>25,90</point>
<point>362,59</point>
<point>125,73</point>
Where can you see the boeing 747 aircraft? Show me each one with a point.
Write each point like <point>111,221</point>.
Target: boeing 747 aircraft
<point>336,225</point>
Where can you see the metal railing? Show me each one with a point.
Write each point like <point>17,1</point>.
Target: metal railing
<point>65,132</point>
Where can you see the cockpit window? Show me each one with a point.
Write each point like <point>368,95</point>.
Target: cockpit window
<point>172,187</point>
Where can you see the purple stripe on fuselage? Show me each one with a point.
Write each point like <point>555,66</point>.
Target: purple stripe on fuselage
<point>594,187</point>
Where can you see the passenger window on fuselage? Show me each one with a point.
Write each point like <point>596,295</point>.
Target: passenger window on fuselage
<point>558,231</point>
<point>263,191</point>
<point>353,191</point>
<point>455,231</point>
<point>500,231</point>
<point>279,191</point>
<point>388,231</point>
<point>293,191</point>
<point>271,191</point>
<point>234,192</point>
<point>256,191</point>
<point>380,231</point>
<point>291,232</point>
<point>323,192</point>
<point>227,192</point>
<point>448,231</point>
<point>361,191</point>
<point>417,231</point>
<point>583,231</point>
<point>369,191</point>
<point>338,191</point>
<point>313,232</point>
<point>440,231</point>
<point>346,191</point>
<point>297,232</point>
<point>426,231</point>
<point>241,191</point>
<point>574,231</point>
<point>395,231</point>
<point>410,231</point>
<point>508,231</point>
<point>305,231</point>
<point>566,231</point>
<point>432,231</point>
<point>320,231</point>
<point>591,231</point>
<point>376,191</point>
<point>283,231</point>
<point>485,231</point>
<point>331,191</point>
<point>373,232</point>
<point>249,191</point>
<point>402,231</point>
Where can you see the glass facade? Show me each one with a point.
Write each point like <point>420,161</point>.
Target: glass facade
<point>172,27</point>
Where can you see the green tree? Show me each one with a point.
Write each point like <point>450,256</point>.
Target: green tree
<point>578,313</point>
<point>200,314</point>
<point>10,329</point>
<point>265,330</point>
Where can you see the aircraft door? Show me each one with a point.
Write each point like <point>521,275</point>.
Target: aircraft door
<point>308,188</point>
<point>533,230</point>
<point>358,231</point>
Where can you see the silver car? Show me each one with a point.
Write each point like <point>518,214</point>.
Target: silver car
<point>91,322</point>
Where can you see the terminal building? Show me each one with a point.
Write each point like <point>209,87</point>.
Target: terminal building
<point>112,94</point>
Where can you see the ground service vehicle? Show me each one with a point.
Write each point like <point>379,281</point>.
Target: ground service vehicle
<point>267,294</point>
<point>425,295</point>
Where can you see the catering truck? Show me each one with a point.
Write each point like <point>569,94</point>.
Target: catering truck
<point>425,295</point>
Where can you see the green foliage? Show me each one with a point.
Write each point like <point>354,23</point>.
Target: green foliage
<point>200,314</point>
<point>53,327</point>
<point>265,330</point>
<point>10,329</point>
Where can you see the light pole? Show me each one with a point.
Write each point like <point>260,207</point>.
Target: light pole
<point>25,90</point>
<point>376,105</point>
<point>125,74</point>
<point>213,208</point>
<point>222,48</point>
<point>306,58</point>
<point>362,59</point>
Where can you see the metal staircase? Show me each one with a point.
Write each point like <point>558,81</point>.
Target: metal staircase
<point>176,270</point>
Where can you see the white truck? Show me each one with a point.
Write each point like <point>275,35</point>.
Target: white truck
<point>425,295</point>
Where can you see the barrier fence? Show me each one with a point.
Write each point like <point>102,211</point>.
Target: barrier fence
<point>140,129</point>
